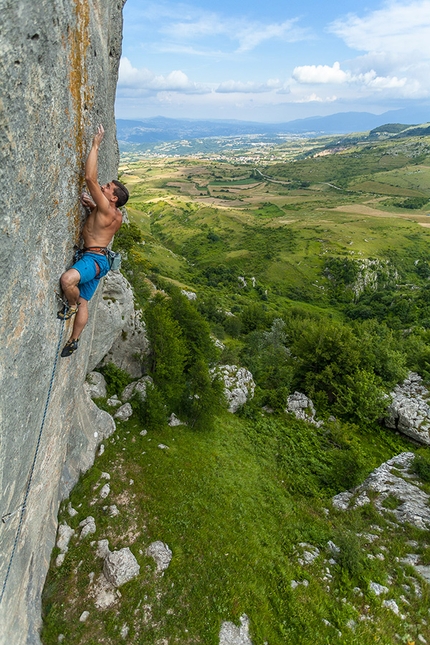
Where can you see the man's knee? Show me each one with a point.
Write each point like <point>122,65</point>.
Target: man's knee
<point>70,279</point>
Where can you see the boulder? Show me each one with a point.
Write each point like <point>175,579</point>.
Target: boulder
<point>95,385</point>
<point>161,554</point>
<point>409,412</point>
<point>191,295</point>
<point>230,634</point>
<point>120,566</point>
<point>136,387</point>
<point>174,421</point>
<point>239,385</point>
<point>302,408</point>
<point>124,412</point>
<point>88,526</point>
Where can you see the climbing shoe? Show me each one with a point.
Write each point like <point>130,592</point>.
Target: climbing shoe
<point>70,347</point>
<point>67,312</point>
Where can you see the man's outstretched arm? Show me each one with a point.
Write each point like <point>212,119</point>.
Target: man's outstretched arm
<point>101,201</point>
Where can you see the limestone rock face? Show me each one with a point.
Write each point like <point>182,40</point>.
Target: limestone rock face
<point>95,385</point>
<point>59,62</point>
<point>239,385</point>
<point>409,411</point>
<point>123,339</point>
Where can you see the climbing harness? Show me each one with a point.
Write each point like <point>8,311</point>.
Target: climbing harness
<point>30,477</point>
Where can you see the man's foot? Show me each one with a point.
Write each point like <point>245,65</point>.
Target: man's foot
<point>70,347</point>
<point>67,312</point>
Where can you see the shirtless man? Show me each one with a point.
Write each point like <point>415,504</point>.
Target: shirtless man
<point>80,282</point>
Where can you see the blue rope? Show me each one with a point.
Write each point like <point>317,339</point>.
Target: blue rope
<point>27,490</point>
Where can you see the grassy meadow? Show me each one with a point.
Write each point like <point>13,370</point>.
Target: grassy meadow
<point>314,275</point>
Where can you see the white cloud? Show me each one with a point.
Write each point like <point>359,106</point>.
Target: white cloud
<point>143,79</point>
<point>326,75</point>
<point>320,74</point>
<point>314,98</point>
<point>247,34</point>
<point>397,27</point>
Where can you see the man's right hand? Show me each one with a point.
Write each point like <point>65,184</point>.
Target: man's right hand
<point>98,137</point>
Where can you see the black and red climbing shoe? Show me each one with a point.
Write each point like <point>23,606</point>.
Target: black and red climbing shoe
<point>67,312</point>
<point>70,347</point>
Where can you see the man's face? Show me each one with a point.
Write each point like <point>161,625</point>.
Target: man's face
<point>107,190</point>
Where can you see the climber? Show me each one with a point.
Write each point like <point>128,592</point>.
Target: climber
<point>80,282</point>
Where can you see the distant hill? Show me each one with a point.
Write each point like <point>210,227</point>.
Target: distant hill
<point>161,129</point>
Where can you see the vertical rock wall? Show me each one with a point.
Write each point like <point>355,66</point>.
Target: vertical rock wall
<point>58,71</point>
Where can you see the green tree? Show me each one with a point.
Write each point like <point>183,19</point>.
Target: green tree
<point>168,351</point>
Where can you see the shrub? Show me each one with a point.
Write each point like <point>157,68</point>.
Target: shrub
<point>421,467</point>
<point>116,379</point>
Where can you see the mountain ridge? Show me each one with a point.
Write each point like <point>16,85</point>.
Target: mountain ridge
<point>159,129</point>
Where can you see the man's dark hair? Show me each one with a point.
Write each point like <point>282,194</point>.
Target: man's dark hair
<point>121,192</point>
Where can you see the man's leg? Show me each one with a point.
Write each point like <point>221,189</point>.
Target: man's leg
<point>81,319</point>
<point>79,323</point>
<point>69,283</point>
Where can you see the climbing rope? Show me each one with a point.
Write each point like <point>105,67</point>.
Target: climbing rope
<point>30,477</point>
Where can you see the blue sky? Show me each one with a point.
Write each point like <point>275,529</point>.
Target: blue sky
<point>272,61</point>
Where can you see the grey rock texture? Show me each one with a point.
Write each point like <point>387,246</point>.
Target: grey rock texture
<point>239,385</point>
<point>392,478</point>
<point>88,427</point>
<point>120,566</point>
<point>123,339</point>
<point>232,635</point>
<point>161,554</point>
<point>95,385</point>
<point>409,412</point>
<point>302,408</point>
<point>59,62</point>
<point>136,387</point>
<point>124,412</point>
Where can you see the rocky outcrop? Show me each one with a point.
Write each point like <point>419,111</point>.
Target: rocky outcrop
<point>302,408</point>
<point>58,76</point>
<point>409,412</point>
<point>393,480</point>
<point>122,336</point>
<point>239,385</point>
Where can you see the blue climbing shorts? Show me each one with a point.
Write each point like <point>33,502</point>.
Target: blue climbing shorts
<point>87,268</point>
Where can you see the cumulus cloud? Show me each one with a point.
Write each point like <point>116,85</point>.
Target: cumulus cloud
<point>320,74</point>
<point>143,79</point>
<point>395,40</point>
<point>326,75</point>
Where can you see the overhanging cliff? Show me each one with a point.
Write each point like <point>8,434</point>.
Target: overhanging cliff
<point>59,63</point>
